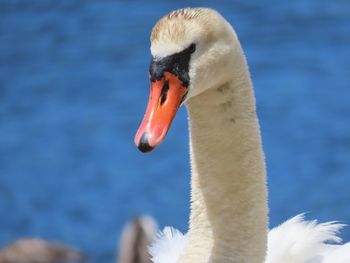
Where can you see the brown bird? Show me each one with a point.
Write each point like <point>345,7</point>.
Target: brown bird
<point>136,237</point>
<point>39,251</point>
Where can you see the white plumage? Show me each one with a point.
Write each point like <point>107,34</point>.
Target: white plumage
<point>300,241</point>
<point>167,245</point>
<point>294,241</point>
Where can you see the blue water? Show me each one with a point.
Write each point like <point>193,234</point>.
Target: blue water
<point>73,89</point>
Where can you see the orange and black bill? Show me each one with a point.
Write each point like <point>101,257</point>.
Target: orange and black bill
<point>164,100</point>
<point>169,85</point>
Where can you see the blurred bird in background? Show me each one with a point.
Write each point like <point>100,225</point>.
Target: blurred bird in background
<point>137,236</point>
<point>135,240</point>
<point>39,251</point>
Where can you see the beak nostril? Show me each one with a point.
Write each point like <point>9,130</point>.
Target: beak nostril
<point>163,95</point>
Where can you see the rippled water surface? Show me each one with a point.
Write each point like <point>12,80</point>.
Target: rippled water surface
<point>73,88</point>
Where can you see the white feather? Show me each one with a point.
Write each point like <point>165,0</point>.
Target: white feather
<point>295,241</point>
<point>298,240</point>
<point>167,245</point>
<point>334,254</point>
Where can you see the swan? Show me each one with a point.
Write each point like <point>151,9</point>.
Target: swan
<point>197,61</point>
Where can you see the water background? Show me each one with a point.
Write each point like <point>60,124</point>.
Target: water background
<point>74,87</point>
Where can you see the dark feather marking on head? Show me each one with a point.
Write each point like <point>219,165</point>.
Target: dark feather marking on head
<point>226,105</point>
<point>177,64</point>
<point>223,89</point>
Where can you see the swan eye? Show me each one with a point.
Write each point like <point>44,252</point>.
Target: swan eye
<point>192,48</point>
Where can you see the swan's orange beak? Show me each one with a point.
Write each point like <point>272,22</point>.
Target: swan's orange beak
<point>164,100</point>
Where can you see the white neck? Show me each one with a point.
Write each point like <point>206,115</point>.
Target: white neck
<point>228,222</point>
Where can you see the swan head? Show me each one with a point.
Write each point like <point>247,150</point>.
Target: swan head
<point>189,47</point>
